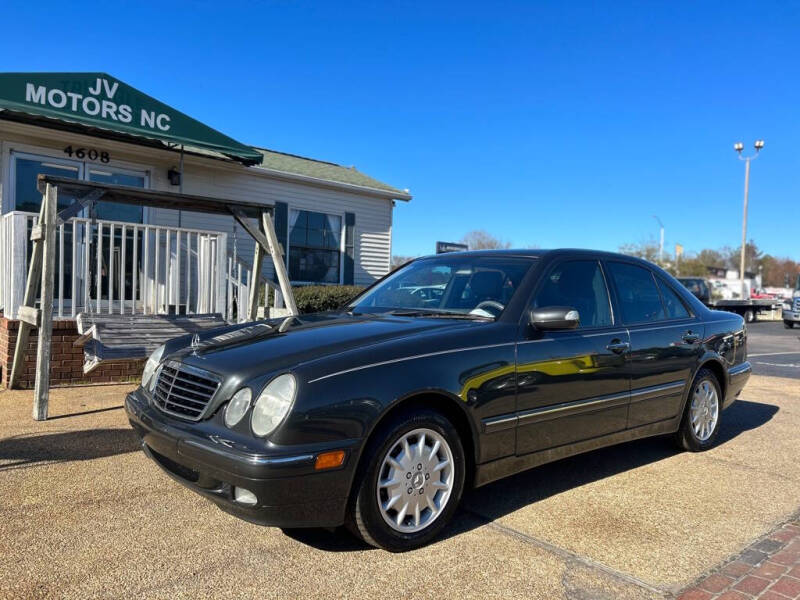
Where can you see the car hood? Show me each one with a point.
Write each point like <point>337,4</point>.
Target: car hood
<point>251,350</point>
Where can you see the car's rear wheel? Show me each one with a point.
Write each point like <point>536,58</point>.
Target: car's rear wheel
<point>411,484</point>
<point>788,324</point>
<point>749,316</point>
<point>701,418</point>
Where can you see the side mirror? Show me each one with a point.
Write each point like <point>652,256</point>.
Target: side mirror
<point>555,317</point>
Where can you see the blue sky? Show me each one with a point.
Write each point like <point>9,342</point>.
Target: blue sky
<point>547,124</point>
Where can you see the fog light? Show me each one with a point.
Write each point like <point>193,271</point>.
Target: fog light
<point>243,496</point>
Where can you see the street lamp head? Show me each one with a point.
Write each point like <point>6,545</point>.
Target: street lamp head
<point>759,145</point>
<point>738,146</point>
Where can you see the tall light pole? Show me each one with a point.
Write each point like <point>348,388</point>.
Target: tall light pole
<point>738,146</point>
<point>661,242</point>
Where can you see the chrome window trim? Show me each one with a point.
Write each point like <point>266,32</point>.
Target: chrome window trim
<point>611,332</point>
<point>632,328</point>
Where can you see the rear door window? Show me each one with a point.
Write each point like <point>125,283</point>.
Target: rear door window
<point>639,298</point>
<point>673,305</point>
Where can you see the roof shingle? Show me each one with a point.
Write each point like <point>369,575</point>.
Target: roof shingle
<point>327,171</point>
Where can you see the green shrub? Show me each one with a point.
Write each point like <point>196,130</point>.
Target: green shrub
<point>318,298</point>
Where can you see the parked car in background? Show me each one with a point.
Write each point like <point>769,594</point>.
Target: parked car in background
<point>379,415</point>
<point>717,296</point>
<point>720,291</point>
<point>699,287</point>
<point>791,313</point>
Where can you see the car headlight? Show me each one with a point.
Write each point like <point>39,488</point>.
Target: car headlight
<point>150,368</point>
<point>237,406</point>
<point>273,404</point>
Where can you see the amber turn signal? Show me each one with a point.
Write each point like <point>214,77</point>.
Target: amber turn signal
<point>329,460</point>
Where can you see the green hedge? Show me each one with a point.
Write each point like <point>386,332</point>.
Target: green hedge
<point>317,298</point>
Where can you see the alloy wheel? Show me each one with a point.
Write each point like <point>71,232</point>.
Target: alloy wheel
<point>415,480</point>
<point>704,411</point>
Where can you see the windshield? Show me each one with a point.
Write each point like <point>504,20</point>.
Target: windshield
<point>476,286</point>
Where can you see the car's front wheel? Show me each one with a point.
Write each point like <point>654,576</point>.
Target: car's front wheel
<point>788,324</point>
<point>412,481</point>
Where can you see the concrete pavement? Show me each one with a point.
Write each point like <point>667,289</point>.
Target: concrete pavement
<point>83,514</point>
<point>774,350</point>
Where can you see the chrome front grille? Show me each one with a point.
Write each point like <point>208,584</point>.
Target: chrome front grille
<point>184,391</point>
<point>796,304</point>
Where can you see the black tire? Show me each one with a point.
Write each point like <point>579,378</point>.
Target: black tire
<point>685,437</point>
<point>749,316</point>
<point>788,324</point>
<point>365,517</point>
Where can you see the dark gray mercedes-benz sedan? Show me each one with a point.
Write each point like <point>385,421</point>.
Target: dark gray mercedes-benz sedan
<point>454,370</point>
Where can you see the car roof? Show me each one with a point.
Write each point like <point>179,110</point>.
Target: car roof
<point>539,253</point>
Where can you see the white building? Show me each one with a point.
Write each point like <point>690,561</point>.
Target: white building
<point>333,222</point>
<point>71,125</point>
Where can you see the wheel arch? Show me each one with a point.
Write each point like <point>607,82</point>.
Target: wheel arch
<point>715,366</point>
<point>452,408</point>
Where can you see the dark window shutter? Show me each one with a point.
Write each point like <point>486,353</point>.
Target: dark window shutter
<point>349,248</point>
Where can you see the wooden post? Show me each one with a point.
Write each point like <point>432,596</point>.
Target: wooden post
<point>41,394</point>
<point>280,266</point>
<point>255,279</point>
<point>31,290</point>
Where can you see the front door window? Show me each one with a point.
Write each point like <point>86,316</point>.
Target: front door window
<point>578,284</point>
<point>113,211</point>
<point>28,198</point>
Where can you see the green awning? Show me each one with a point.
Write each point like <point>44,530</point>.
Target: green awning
<point>100,101</point>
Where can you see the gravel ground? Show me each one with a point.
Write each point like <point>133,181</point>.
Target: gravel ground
<point>83,514</point>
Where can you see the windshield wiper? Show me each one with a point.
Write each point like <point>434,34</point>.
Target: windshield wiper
<point>443,314</point>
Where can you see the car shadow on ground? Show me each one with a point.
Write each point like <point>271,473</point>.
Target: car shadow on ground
<point>485,504</point>
<point>29,450</point>
<point>85,412</point>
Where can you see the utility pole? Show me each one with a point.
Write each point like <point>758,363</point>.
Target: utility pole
<point>738,146</point>
<point>661,242</point>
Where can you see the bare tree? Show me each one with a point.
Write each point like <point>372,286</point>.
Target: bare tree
<point>480,239</point>
<point>399,261</point>
<point>647,250</point>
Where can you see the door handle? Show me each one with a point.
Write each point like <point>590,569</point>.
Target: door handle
<point>691,338</point>
<point>618,346</point>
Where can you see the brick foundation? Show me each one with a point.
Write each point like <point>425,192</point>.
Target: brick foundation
<point>66,360</point>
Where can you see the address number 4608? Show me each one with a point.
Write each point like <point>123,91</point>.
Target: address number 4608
<point>90,153</point>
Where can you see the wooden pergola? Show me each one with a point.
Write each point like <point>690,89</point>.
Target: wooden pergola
<point>41,269</point>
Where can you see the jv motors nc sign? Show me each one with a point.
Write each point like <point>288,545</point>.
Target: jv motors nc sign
<point>102,101</point>
<point>96,100</point>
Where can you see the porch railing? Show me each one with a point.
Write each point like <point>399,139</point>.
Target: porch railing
<point>127,268</point>
<point>239,278</point>
<point>119,268</point>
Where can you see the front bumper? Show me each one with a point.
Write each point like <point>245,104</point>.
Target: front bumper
<point>290,492</point>
<point>791,315</point>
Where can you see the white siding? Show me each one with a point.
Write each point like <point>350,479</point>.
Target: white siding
<point>210,177</point>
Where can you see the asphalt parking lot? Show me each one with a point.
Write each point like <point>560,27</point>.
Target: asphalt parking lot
<point>84,514</point>
<point>774,350</point>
